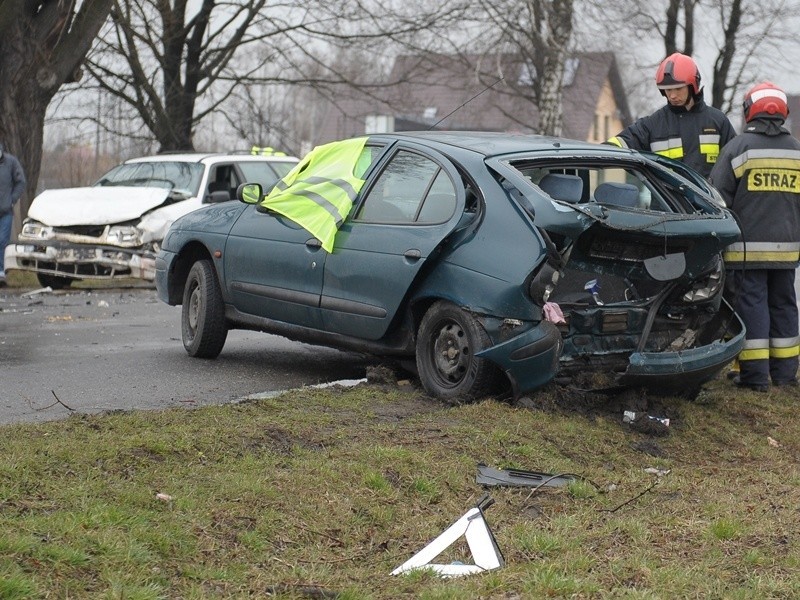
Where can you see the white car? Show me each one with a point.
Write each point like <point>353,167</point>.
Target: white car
<point>113,229</point>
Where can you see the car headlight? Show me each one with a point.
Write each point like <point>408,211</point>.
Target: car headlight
<point>706,288</point>
<point>717,197</point>
<point>123,235</point>
<point>36,230</point>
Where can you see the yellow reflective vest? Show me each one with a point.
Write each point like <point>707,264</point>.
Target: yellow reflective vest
<point>319,192</point>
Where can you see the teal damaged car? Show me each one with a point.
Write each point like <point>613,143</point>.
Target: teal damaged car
<point>490,263</point>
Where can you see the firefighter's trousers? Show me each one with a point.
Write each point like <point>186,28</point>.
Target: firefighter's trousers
<point>767,303</point>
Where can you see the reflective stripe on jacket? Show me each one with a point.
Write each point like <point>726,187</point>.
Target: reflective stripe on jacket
<point>319,192</point>
<point>758,175</point>
<point>694,136</point>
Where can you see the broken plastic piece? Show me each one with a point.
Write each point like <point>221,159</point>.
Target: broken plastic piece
<point>518,478</point>
<point>658,472</point>
<point>593,287</point>
<point>44,290</point>
<point>473,527</point>
<point>629,416</point>
<point>667,267</point>
<point>553,313</point>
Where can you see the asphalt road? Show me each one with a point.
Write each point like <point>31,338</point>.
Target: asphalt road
<point>88,351</point>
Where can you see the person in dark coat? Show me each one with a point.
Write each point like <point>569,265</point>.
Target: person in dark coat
<point>686,128</point>
<point>12,185</point>
<point>758,175</point>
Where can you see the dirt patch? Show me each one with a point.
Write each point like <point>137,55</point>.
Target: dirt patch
<point>590,395</point>
<point>414,402</point>
<point>279,441</point>
<point>635,408</point>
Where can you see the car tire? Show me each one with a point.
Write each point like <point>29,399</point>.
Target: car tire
<point>53,281</point>
<point>203,325</point>
<point>447,341</point>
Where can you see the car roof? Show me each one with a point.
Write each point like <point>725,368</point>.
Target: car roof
<point>488,143</point>
<point>198,157</point>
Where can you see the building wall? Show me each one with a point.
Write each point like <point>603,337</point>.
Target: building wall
<point>606,117</point>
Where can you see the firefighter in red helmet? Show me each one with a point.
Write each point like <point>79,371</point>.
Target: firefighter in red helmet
<point>758,175</point>
<point>686,129</point>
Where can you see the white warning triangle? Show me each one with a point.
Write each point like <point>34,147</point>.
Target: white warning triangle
<point>481,542</point>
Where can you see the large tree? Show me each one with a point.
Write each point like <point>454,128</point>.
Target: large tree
<point>42,46</point>
<point>538,36</point>
<point>172,64</point>
<point>738,41</point>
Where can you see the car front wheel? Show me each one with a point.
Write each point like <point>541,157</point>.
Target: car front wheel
<point>203,325</point>
<point>447,342</point>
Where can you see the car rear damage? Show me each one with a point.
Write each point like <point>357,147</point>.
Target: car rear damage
<point>632,296</point>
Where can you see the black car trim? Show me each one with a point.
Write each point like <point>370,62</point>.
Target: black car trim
<point>274,293</point>
<point>353,308</point>
<point>400,343</point>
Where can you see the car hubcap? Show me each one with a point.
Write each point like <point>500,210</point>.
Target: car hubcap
<point>194,309</point>
<point>451,352</point>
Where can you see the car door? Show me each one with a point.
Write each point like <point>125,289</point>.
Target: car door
<point>274,268</point>
<point>407,209</point>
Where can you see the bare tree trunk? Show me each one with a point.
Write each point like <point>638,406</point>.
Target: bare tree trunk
<point>722,66</point>
<point>559,23</point>
<point>671,31</point>
<point>673,25</point>
<point>39,52</point>
<point>688,35</point>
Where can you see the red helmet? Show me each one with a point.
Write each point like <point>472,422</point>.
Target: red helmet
<point>765,98</point>
<point>678,70</point>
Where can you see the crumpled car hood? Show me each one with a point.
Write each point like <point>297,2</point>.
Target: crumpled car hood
<point>99,205</point>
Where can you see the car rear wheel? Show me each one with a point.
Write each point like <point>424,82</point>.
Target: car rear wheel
<point>53,281</point>
<point>447,342</point>
<point>203,325</point>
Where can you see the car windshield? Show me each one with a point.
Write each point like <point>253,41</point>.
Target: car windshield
<point>267,174</point>
<point>177,176</point>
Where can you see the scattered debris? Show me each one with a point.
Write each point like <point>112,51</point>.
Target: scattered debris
<point>553,313</point>
<point>57,402</point>
<point>517,478</point>
<point>636,497</point>
<point>773,442</point>
<point>44,290</point>
<point>163,497</point>
<point>646,423</point>
<point>103,304</point>
<point>473,527</point>
<point>629,416</point>
<point>658,472</point>
<point>57,318</point>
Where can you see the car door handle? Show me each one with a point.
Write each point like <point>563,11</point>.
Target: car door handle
<point>412,254</point>
<point>313,243</point>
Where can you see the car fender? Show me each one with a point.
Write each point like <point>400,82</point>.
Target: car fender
<point>154,225</point>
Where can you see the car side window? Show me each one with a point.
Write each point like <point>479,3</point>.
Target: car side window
<point>440,201</point>
<point>222,178</point>
<point>412,188</point>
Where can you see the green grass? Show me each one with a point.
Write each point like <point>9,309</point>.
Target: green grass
<point>322,493</point>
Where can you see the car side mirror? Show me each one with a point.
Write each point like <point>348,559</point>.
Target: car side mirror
<point>219,196</point>
<point>249,193</point>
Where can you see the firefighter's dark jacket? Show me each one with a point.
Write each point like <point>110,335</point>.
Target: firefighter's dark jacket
<point>694,136</point>
<point>758,175</point>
